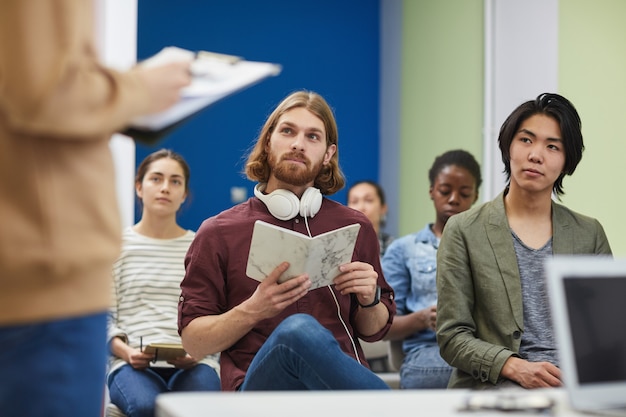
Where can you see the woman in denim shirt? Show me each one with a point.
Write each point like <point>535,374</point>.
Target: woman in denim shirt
<point>410,267</point>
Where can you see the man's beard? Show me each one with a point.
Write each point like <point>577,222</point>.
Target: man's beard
<point>291,173</point>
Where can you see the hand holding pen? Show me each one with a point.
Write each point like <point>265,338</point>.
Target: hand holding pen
<point>137,358</point>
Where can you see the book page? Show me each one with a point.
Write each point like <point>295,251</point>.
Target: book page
<point>319,256</point>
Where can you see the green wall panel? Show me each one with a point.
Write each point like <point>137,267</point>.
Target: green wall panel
<point>592,73</point>
<point>441,97</point>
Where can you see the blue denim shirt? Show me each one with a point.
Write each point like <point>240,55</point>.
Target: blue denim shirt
<point>410,267</point>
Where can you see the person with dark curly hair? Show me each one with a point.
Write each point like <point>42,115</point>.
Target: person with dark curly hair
<point>410,266</point>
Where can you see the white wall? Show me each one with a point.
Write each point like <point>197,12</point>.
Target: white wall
<point>521,62</point>
<point>116,36</point>
<point>389,130</point>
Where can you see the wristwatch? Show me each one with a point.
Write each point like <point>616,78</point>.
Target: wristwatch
<point>376,299</point>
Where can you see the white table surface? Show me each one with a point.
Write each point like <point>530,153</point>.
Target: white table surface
<point>395,403</point>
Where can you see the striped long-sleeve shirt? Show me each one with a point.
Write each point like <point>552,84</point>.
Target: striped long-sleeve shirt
<point>146,289</point>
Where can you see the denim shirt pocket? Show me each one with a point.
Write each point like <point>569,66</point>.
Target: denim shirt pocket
<point>424,280</point>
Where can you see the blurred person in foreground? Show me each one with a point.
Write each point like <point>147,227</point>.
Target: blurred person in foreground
<point>60,229</point>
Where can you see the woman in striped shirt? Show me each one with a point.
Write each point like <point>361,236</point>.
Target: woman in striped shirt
<point>147,279</point>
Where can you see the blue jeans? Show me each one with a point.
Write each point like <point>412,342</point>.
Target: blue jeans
<point>301,354</point>
<point>134,391</point>
<point>53,369</point>
<point>424,368</point>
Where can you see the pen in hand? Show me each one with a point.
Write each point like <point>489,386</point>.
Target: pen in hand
<point>141,343</point>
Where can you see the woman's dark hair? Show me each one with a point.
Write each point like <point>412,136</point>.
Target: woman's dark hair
<point>379,190</point>
<point>160,154</point>
<point>564,113</point>
<point>457,157</point>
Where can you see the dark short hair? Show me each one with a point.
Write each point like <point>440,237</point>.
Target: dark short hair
<point>457,157</point>
<point>564,113</point>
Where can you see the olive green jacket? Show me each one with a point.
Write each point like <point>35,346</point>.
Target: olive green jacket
<point>479,311</point>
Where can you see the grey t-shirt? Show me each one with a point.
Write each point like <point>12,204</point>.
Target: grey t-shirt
<point>538,338</point>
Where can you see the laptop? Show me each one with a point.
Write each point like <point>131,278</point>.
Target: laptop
<point>588,302</point>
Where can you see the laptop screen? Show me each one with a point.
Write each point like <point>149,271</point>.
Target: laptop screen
<point>588,304</point>
<point>597,312</point>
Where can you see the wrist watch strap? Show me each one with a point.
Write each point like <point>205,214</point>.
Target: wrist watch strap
<point>376,299</point>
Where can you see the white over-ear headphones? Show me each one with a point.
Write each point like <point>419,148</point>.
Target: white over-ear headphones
<point>285,205</point>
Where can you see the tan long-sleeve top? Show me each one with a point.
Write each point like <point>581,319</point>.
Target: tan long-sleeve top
<point>59,219</point>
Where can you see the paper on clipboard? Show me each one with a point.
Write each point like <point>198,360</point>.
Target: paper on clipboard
<point>215,76</point>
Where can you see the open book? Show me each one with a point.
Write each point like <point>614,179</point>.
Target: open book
<point>215,76</point>
<point>165,351</point>
<point>319,256</point>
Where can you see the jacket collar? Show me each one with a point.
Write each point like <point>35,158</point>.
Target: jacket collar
<point>500,240</point>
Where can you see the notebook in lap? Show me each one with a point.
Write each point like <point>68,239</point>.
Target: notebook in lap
<point>588,302</point>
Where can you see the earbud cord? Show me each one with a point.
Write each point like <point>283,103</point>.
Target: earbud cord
<point>356,353</point>
<point>306,223</point>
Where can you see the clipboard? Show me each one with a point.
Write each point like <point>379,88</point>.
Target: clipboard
<point>215,76</point>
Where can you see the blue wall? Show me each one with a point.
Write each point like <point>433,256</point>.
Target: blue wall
<point>328,46</point>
